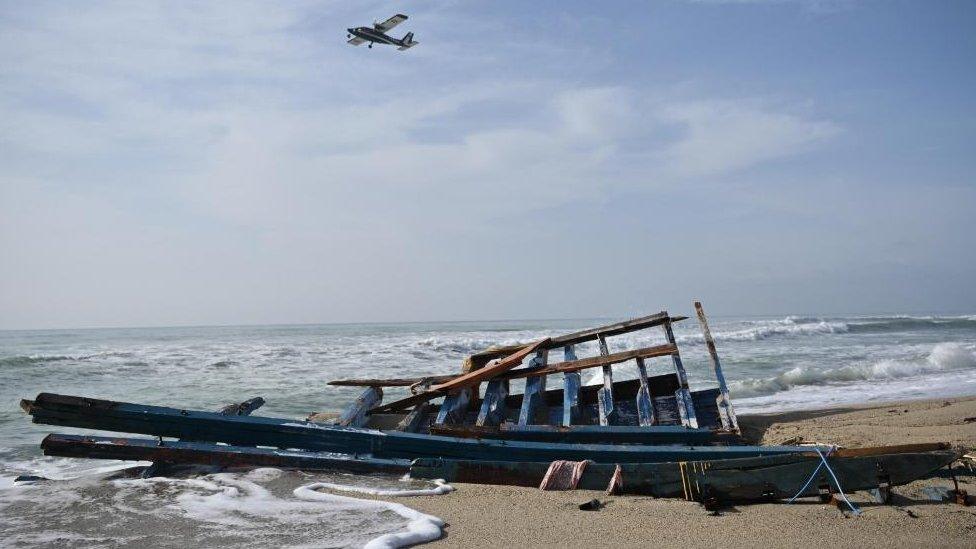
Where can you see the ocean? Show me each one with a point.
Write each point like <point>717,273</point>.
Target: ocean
<point>772,364</point>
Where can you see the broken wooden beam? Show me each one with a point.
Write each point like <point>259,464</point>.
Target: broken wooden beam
<point>453,408</point>
<point>593,362</point>
<point>645,409</point>
<point>534,407</point>
<point>605,404</point>
<point>202,453</point>
<point>686,406</point>
<point>589,334</point>
<point>355,414</point>
<point>558,367</point>
<point>490,371</point>
<point>492,410</point>
<point>724,401</point>
<point>465,380</point>
<point>393,382</point>
<point>413,421</point>
<point>242,409</point>
<point>571,389</point>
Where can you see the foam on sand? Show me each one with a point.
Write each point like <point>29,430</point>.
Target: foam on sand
<point>421,528</point>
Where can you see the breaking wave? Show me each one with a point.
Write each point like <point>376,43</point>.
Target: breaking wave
<point>790,326</point>
<point>943,357</point>
<point>32,359</point>
<point>27,360</point>
<point>905,322</point>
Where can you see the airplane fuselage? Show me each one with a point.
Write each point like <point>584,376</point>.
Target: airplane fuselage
<point>374,36</point>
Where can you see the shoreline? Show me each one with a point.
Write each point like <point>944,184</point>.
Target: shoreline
<point>490,516</point>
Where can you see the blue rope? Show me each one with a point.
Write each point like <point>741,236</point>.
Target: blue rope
<point>823,463</point>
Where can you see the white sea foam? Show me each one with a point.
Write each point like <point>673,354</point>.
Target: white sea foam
<point>421,528</point>
<point>440,488</point>
<point>241,503</point>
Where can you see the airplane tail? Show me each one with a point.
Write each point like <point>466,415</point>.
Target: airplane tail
<point>407,42</point>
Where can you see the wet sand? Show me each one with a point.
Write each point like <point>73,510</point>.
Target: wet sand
<point>495,516</point>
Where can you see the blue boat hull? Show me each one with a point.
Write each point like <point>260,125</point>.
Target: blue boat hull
<point>193,425</point>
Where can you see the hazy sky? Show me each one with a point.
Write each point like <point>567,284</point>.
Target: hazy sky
<point>236,162</point>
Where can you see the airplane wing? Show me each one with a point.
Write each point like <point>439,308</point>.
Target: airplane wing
<point>355,41</point>
<point>385,26</point>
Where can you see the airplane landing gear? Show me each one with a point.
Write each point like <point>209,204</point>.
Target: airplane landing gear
<point>348,36</point>
<point>370,46</point>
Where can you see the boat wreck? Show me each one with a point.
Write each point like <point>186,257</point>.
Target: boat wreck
<point>650,435</point>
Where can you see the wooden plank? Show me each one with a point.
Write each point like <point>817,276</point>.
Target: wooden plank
<point>201,453</point>
<point>463,381</point>
<point>355,414</point>
<point>645,410</point>
<point>414,420</point>
<point>593,362</point>
<point>492,410</point>
<point>559,367</point>
<point>743,479</point>
<point>474,377</point>
<point>245,408</point>
<point>555,368</point>
<point>586,434</point>
<point>686,407</point>
<point>453,408</point>
<point>477,361</point>
<point>393,382</point>
<point>894,449</point>
<point>607,407</point>
<point>571,389</point>
<point>724,401</point>
<point>242,409</point>
<point>589,334</point>
<point>533,400</point>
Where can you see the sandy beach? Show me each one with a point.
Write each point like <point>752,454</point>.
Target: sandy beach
<point>494,516</point>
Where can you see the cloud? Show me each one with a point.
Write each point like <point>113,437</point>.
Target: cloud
<point>206,154</point>
<point>721,136</point>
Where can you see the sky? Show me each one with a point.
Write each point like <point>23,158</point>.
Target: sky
<point>235,162</point>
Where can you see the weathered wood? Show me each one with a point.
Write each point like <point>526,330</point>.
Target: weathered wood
<point>686,406</point>
<point>592,362</point>
<point>453,408</point>
<point>355,414</point>
<point>608,410</point>
<point>584,336</point>
<point>202,453</point>
<point>464,381</point>
<point>729,480</point>
<point>724,401</point>
<point>571,389</point>
<point>413,421</point>
<point>533,400</point>
<point>211,427</point>
<point>393,382</point>
<point>517,373</point>
<point>894,449</point>
<point>479,361</point>
<point>474,377</point>
<point>586,434</point>
<point>706,408</point>
<point>244,408</point>
<point>645,410</point>
<point>492,410</point>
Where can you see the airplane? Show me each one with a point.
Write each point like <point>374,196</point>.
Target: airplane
<point>377,34</point>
